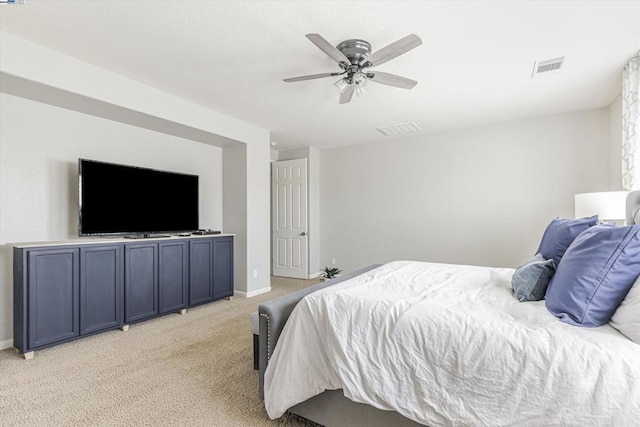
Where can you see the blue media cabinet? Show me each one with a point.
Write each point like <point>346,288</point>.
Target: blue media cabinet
<point>65,291</point>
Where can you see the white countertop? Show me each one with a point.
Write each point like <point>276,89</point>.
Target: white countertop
<point>113,239</point>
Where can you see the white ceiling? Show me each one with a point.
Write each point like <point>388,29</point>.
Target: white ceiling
<point>473,68</point>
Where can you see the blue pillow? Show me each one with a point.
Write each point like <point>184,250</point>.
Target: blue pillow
<point>560,233</point>
<point>595,275</point>
<point>530,280</point>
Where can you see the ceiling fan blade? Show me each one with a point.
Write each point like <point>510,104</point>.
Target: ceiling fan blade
<point>310,77</point>
<point>345,97</point>
<point>391,80</point>
<point>328,48</point>
<point>393,50</point>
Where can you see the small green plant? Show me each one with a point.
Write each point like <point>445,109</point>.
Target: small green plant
<point>330,273</point>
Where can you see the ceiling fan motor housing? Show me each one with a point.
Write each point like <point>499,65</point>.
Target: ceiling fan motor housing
<point>355,50</point>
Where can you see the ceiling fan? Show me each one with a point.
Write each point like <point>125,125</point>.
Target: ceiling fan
<point>354,58</point>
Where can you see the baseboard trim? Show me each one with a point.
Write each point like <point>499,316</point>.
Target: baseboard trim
<point>253,293</point>
<point>314,276</point>
<point>6,344</point>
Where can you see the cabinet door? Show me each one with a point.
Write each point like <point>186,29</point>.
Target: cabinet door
<point>172,277</point>
<point>100,288</point>
<point>222,267</point>
<point>200,271</point>
<point>141,281</point>
<point>52,288</point>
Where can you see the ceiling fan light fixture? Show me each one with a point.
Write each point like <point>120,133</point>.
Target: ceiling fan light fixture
<point>361,90</point>
<point>360,80</point>
<point>342,84</point>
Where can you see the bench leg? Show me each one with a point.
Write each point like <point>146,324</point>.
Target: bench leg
<point>255,352</point>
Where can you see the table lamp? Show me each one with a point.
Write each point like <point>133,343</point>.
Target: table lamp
<point>608,205</point>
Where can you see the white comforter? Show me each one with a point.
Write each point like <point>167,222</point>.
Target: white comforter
<point>449,345</point>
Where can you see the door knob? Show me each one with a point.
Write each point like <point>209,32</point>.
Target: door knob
<point>303,234</point>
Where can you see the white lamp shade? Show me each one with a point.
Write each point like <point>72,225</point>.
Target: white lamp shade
<point>608,205</point>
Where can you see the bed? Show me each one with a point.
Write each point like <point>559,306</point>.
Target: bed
<point>415,343</point>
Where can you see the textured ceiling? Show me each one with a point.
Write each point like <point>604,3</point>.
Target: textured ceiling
<point>473,68</point>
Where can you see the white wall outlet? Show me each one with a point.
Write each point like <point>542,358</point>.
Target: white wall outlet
<point>333,261</point>
<point>255,273</point>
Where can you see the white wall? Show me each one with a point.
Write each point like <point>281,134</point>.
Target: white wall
<point>615,144</point>
<point>39,149</point>
<point>258,200</point>
<point>314,210</point>
<point>474,196</point>
<point>235,208</point>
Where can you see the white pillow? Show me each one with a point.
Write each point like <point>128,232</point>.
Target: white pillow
<point>626,318</point>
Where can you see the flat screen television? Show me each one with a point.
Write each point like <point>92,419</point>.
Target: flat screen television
<point>134,201</point>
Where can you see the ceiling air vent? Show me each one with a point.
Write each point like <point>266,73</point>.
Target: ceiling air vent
<point>549,66</point>
<point>400,129</point>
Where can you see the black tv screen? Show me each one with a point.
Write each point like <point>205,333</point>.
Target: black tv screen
<point>126,200</point>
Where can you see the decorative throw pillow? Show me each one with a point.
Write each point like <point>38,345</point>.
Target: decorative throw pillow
<point>530,280</point>
<point>595,274</point>
<point>626,318</point>
<point>560,233</point>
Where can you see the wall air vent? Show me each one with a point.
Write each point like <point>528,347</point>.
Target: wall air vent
<point>400,129</point>
<point>549,66</point>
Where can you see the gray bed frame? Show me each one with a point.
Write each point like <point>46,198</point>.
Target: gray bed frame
<point>331,408</point>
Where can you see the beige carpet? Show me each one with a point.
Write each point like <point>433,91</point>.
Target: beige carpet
<point>192,370</point>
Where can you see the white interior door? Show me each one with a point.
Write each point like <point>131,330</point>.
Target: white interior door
<point>289,215</point>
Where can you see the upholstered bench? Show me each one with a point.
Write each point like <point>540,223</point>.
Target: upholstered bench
<point>255,330</point>
<point>273,314</point>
